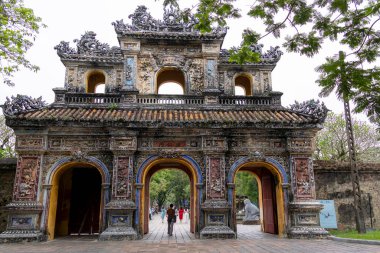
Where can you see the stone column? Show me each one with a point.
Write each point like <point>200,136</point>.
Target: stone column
<point>121,208</point>
<point>215,207</point>
<point>303,208</point>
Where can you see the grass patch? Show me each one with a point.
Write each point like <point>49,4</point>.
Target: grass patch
<point>370,235</point>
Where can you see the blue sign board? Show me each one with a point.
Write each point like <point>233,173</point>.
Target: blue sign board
<point>327,215</point>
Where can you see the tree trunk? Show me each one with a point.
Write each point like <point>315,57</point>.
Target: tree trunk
<point>359,213</point>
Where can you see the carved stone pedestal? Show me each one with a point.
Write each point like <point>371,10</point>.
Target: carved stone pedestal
<point>304,219</point>
<point>23,223</point>
<point>120,215</point>
<point>216,215</point>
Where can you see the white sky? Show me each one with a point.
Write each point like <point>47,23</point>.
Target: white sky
<point>67,20</point>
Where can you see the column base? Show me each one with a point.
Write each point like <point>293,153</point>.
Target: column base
<point>217,232</point>
<point>23,222</point>
<point>118,234</point>
<point>305,224</point>
<point>307,233</point>
<point>120,215</point>
<point>11,236</point>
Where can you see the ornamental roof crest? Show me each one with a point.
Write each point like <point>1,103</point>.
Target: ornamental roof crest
<point>271,56</point>
<point>172,22</point>
<point>22,103</point>
<point>311,107</point>
<point>87,45</point>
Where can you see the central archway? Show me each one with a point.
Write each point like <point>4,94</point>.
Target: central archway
<point>154,164</point>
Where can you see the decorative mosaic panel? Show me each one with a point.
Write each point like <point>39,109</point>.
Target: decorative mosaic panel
<point>26,183</point>
<point>30,142</point>
<point>119,220</point>
<point>130,70</point>
<point>215,177</point>
<point>170,144</point>
<point>122,174</point>
<point>211,74</point>
<point>303,178</point>
<point>216,219</point>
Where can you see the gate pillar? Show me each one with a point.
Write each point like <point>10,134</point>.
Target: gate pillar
<point>216,208</point>
<point>304,209</point>
<point>120,210</point>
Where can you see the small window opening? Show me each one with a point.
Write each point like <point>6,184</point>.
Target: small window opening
<point>171,82</point>
<point>96,83</point>
<point>243,86</point>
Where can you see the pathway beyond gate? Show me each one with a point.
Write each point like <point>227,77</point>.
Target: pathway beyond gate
<point>250,240</point>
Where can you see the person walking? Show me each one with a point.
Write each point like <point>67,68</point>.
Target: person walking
<point>186,215</point>
<point>163,214</point>
<point>180,214</point>
<point>171,219</point>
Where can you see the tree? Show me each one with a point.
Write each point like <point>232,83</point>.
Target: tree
<point>354,24</point>
<point>7,140</point>
<point>332,142</point>
<point>246,185</point>
<point>18,29</point>
<point>351,23</point>
<point>169,186</point>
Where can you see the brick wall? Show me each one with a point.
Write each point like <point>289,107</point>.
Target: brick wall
<point>333,181</point>
<point>7,175</point>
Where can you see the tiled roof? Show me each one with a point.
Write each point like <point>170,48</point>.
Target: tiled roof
<point>170,117</point>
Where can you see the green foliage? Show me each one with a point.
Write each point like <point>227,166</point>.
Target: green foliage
<point>18,29</point>
<point>369,235</point>
<point>169,186</point>
<point>246,185</point>
<point>7,140</point>
<point>354,24</point>
<point>332,141</point>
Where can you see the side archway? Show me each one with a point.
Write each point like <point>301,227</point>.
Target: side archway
<point>152,165</point>
<point>267,170</point>
<point>53,183</point>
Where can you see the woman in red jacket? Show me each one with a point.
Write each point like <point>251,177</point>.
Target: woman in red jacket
<point>180,214</point>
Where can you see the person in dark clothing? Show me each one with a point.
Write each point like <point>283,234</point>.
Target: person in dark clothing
<point>171,219</point>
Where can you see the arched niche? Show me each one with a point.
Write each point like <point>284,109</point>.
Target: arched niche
<point>170,80</point>
<point>243,85</point>
<point>95,82</point>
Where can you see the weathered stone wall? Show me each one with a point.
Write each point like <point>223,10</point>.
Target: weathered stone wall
<point>333,181</point>
<point>7,175</point>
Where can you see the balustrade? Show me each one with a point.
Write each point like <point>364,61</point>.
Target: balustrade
<point>107,99</point>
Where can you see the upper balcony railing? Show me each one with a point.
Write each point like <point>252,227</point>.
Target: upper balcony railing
<point>125,99</point>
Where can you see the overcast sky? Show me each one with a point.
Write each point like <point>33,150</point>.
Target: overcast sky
<point>67,20</point>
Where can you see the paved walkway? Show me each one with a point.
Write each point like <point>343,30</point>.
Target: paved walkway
<point>250,239</point>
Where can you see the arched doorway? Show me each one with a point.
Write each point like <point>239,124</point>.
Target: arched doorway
<point>76,200</point>
<point>146,171</point>
<point>271,198</point>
